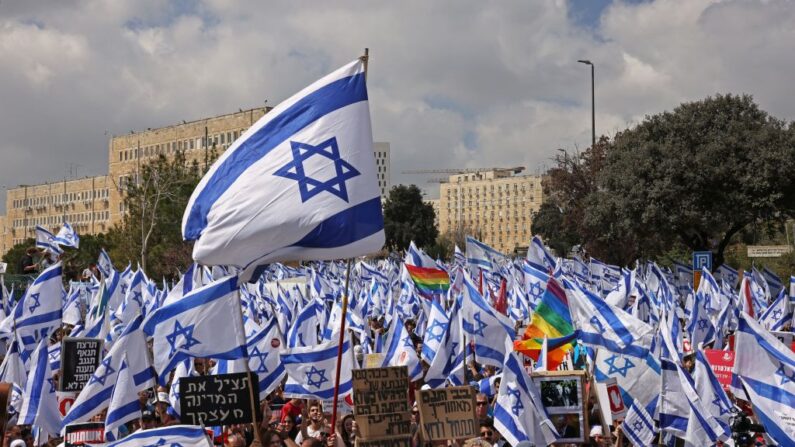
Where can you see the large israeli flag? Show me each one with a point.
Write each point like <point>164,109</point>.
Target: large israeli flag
<point>299,184</point>
<point>766,368</point>
<point>205,323</point>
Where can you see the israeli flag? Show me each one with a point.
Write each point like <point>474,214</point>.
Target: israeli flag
<point>67,236</point>
<point>778,314</point>
<point>184,369</point>
<point>448,360</point>
<point>311,161</point>
<point>482,255</point>
<point>491,332</point>
<point>400,350</point>
<point>438,322</point>
<point>766,367</point>
<point>204,323</point>
<point>40,407</point>
<point>96,395</point>
<point>539,256</point>
<point>606,326</point>
<point>13,371</point>
<point>46,240</point>
<point>716,404</point>
<point>40,309</point>
<point>639,426</point>
<point>124,405</point>
<point>264,360</point>
<point>175,435</point>
<point>104,263</point>
<point>303,331</point>
<point>519,414</point>
<point>311,370</point>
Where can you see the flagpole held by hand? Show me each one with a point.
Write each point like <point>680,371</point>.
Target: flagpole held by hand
<point>343,316</point>
<point>254,399</point>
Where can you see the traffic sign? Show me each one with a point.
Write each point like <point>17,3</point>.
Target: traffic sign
<point>702,259</point>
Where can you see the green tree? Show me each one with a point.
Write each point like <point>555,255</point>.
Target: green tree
<point>549,223</point>
<point>407,217</point>
<point>697,176</point>
<point>15,254</point>
<point>76,260</point>
<point>150,231</point>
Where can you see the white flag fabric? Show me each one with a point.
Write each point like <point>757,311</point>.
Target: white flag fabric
<point>519,414</point>
<point>400,350</point>
<point>175,435</point>
<point>40,407</point>
<point>299,184</point>
<point>46,241</point>
<point>67,236</point>
<point>96,395</point>
<point>311,370</point>
<point>606,326</point>
<point>767,369</point>
<point>204,323</point>
<point>13,371</point>
<point>264,360</point>
<point>490,331</point>
<point>124,404</point>
<point>438,322</point>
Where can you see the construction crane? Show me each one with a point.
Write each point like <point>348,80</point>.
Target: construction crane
<point>514,170</point>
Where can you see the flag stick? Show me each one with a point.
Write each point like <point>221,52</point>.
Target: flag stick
<point>254,400</point>
<point>343,316</point>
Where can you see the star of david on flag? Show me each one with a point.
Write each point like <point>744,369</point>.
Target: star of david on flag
<point>309,186</point>
<point>299,184</point>
<point>183,329</point>
<point>310,370</point>
<point>172,436</point>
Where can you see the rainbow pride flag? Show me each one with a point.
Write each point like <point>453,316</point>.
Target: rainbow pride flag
<point>553,320</point>
<point>429,281</point>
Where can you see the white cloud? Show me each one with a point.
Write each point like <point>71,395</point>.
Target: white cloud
<point>452,84</point>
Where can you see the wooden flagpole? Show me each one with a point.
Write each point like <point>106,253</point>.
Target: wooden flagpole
<point>343,316</point>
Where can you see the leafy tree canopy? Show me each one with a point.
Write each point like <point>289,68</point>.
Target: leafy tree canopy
<point>407,217</point>
<point>150,231</point>
<point>695,176</point>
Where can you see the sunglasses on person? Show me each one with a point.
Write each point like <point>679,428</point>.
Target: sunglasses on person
<point>486,433</point>
<point>480,403</point>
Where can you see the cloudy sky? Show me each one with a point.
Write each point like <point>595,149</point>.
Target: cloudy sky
<point>452,83</point>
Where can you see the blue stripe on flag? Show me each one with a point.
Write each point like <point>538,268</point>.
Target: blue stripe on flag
<point>213,292</point>
<point>331,97</point>
<point>346,227</point>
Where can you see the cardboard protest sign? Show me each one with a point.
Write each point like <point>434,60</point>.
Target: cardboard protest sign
<point>223,399</point>
<point>76,435</point>
<point>448,413</point>
<point>80,357</point>
<point>381,402</point>
<point>396,442</point>
<point>721,363</point>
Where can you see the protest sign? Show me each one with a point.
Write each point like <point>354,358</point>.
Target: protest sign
<point>222,399</point>
<point>564,397</point>
<point>721,363</point>
<point>396,442</point>
<point>80,357</point>
<point>448,413</point>
<point>76,435</point>
<point>381,402</point>
<point>373,360</point>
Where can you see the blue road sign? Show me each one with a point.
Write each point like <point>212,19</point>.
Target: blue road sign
<point>702,259</point>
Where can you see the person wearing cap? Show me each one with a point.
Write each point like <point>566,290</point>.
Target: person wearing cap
<point>163,409</point>
<point>17,443</point>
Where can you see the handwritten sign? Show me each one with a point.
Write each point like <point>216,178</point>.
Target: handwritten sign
<point>721,363</point>
<point>381,402</point>
<point>448,413</point>
<point>80,357</point>
<point>397,442</point>
<point>84,433</point>
<point>224,399</point>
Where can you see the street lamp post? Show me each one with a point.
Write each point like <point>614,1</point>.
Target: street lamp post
<point>593,103</point>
